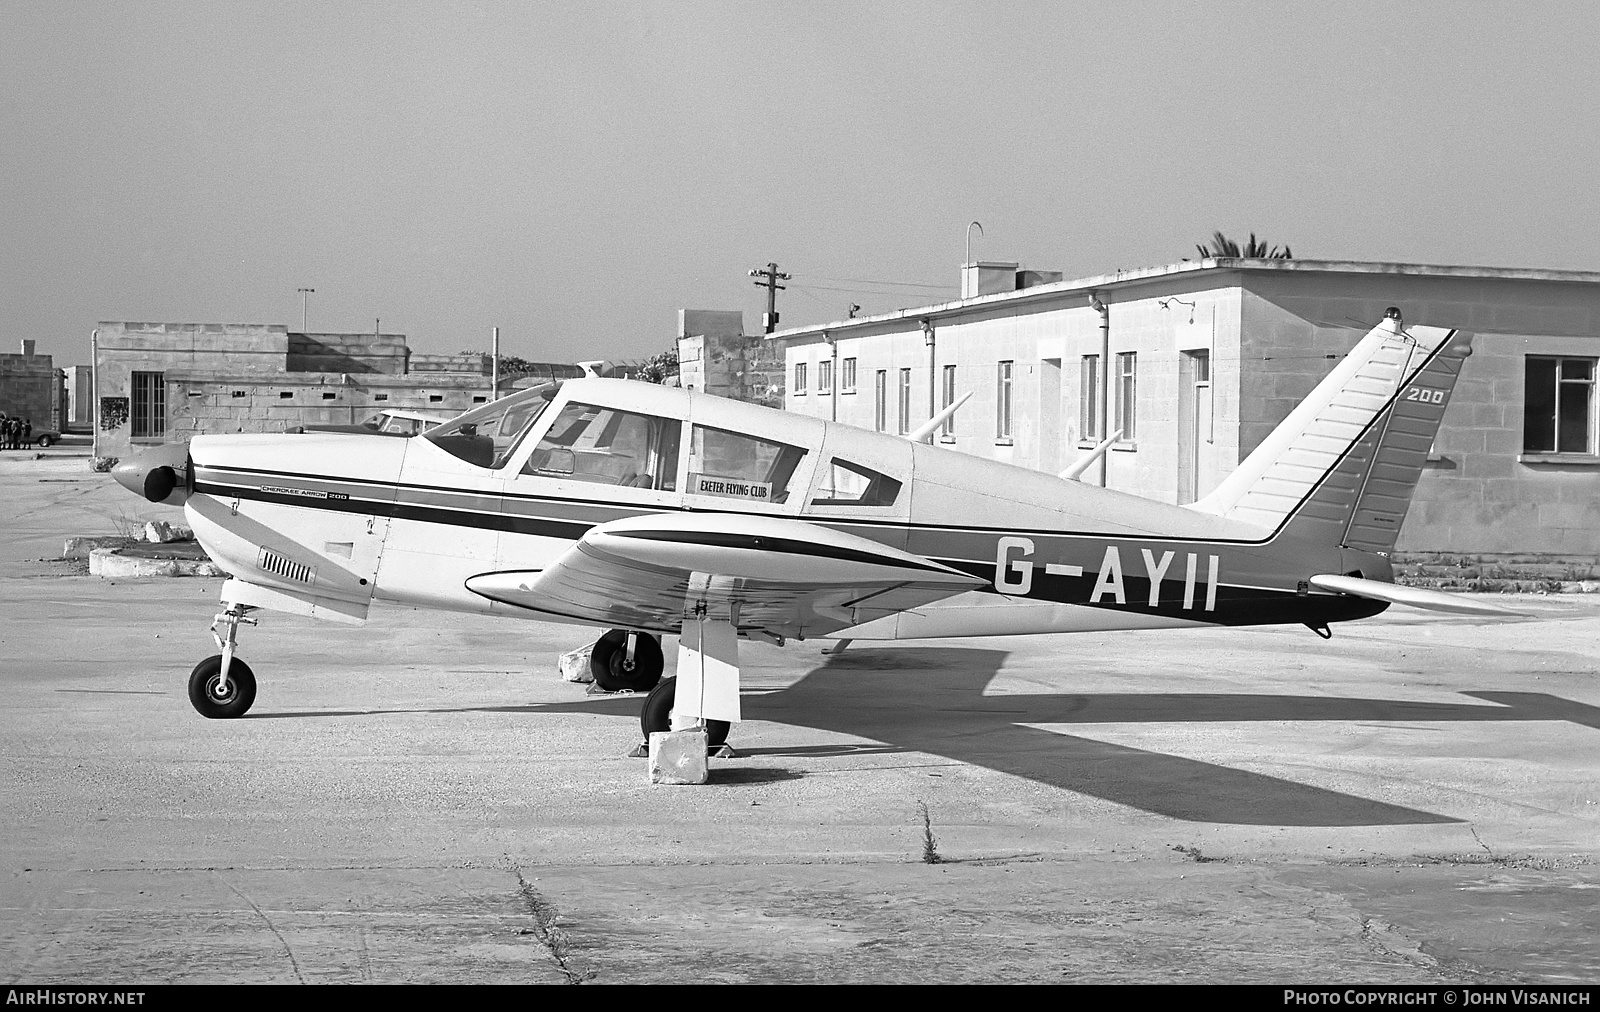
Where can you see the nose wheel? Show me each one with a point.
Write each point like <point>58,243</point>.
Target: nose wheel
<point>221,698</point>
<point>222,686</point>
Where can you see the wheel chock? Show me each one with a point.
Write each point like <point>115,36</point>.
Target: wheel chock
<point>678,757</point>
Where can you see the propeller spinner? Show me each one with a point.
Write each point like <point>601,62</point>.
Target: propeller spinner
<point>160,474</point>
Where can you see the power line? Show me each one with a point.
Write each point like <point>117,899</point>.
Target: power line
<point>875,281</point>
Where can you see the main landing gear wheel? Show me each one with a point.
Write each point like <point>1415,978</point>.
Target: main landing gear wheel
<point>619,665</point>
<point>215,699</point>
<point>657,715</point>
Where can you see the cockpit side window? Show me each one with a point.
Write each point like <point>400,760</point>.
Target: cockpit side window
<point>847,484</point>
<point>736,466</point>
<point>608,446</point>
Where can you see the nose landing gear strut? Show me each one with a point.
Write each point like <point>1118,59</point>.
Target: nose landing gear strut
<point>222,686</point>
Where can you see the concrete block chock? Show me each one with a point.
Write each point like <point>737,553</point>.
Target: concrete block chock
<point>678,757</point>
<point>574,664</point>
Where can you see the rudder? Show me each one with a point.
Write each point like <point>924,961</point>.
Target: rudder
<point>1343,466</point>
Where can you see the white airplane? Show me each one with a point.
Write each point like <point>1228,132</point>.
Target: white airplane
<point>653,511</point>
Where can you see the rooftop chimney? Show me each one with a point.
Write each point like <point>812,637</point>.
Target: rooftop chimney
<point>27,348</point>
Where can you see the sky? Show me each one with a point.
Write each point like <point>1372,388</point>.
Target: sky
<point>577,173</point>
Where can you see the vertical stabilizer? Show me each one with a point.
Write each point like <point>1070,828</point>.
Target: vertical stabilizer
<point>1343,466</point>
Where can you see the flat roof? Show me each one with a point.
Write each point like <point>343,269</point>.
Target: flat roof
<point>1105,281</point>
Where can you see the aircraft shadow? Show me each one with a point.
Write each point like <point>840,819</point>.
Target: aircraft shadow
<point>931,700</point>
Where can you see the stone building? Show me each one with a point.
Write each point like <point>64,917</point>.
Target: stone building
<point>168,382</point>
<point>30,386</point>
<point>1194,363</point>
<point>715,355</point>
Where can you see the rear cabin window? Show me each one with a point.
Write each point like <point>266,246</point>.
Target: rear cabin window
<point>846,484</point>
<point>731,465</point>
<point>609,447</point>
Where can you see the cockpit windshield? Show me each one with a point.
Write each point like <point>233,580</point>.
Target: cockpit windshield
<point>485,436</point>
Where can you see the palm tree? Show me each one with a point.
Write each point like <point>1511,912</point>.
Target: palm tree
<point>1222,246</point>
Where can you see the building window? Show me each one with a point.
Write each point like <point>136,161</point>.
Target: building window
<point>435,398</point>
<point>149,405</point>
<point>329,397</point>
<point>380,397</point>
<point>880,405</point>
<point>824,377</point>
<point>1126,394</point>
<point>238,393</point>
<point>799,379</point>
<point>1558,409</point>
<point>1002,401</point>
<point>285,395</point>
<point>905,401</point>
<point>1089,399</point>
<point>948,429</point>
<point>847,376</point>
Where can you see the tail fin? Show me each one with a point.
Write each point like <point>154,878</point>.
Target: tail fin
<point>1343,466</point>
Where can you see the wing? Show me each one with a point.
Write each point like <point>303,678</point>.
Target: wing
<point>785,578</point>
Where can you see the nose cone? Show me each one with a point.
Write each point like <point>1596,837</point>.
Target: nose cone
<point>160,474</point>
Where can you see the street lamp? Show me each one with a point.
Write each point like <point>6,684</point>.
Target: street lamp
<point>303,293</point>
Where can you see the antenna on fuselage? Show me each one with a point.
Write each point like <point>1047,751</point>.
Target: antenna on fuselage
<point>924,432</point>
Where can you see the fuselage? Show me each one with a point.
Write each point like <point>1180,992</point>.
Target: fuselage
<point>348,518</point>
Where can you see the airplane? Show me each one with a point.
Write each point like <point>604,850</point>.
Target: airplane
<point>652,511</point>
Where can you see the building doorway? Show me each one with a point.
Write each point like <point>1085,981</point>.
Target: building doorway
<point>1196,433</point>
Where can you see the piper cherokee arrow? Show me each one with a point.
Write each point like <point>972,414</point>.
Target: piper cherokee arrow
<point>653,511</point>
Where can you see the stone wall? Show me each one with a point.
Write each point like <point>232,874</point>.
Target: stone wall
<point>715,355</point>
<point>475,363</point>
<point>346,353</point>
<point>203,403</point>
<point>29,387</point>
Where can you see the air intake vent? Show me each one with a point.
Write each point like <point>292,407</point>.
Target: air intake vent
<point>276,564</point>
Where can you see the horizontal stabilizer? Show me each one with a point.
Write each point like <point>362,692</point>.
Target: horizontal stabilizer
<point>1416,597</point>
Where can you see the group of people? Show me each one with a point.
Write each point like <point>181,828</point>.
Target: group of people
<point>16,432</point>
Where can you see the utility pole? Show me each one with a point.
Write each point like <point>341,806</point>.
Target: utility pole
<point>303,293</point>
<point>772,276</point>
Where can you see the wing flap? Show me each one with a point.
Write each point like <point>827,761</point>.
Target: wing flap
<point>784,577</point>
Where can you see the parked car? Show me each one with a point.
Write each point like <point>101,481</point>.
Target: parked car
<point>46,437</point>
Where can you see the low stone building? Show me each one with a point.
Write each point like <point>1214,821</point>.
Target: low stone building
<point>30,387</point>
<point>168,382</point>
<point>1191,365</point>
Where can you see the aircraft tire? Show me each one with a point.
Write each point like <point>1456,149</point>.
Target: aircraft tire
<point>656,715</point>
<point>606,662</point>
<point>203,688</point>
